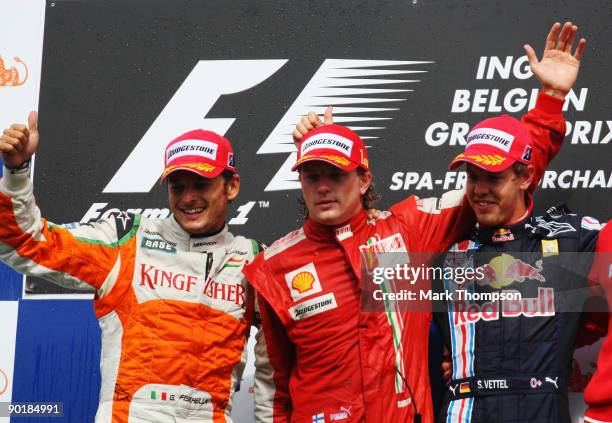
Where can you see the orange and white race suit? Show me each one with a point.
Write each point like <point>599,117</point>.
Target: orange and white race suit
<point>174,310</point>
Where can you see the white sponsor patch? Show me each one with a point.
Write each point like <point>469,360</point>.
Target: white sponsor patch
<point>313,306</point>
<point>285,242</point>
<point>328,141</point>
<point>491,136</point>
<point>590,223</point>
<point>192,148</point>
<point>344,232</point>
<point>303,282</point>
<point>403,403</point>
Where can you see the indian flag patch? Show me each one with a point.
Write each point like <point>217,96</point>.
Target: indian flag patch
<point>234,263</point>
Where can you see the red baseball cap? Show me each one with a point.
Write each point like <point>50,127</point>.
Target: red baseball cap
<point>495,144</point>
<point>334,144</point>
<point>203,152</point>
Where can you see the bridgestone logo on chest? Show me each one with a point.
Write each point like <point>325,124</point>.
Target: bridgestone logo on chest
<point>313,306</point>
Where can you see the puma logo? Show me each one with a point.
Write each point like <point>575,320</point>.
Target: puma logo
<point>453,389</point>
<point>554,382</point>
<point>10,77</point>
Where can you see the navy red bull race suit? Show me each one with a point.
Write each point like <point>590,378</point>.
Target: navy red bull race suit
<point>511,358</point>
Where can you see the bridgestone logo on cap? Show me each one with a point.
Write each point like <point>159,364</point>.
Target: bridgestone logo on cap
<point>192,148</point>
<point>493,137</point>
<point>328,141</point>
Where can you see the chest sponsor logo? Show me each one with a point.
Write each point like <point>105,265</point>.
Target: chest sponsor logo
<point>153,278</point>
<point>159,245</point>
<point>230,292</point>
<point>313,306</point>
<point>303,282</point>
<point>200,244</point>
<point>550,247</point>
<point>504,270</point>
<point>542,306</point>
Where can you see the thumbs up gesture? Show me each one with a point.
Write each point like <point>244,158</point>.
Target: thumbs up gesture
<point>19,142</point>
<point>310,122</point>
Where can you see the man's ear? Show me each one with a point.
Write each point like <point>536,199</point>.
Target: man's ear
<point>232,187</point>
<point>365,182</point>
<point>526,178</point>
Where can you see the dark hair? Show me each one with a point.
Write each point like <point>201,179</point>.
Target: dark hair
<point>227,175</point>
<point>519,168</point>
<point>367,200</point>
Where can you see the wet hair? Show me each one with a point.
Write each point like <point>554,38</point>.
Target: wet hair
<point>367,200</point>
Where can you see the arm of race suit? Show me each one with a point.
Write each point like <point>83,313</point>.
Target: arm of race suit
<point>598,393</point>
<point>274,360</point>
<point>546,125</point>
<point>594,322</point>
<point>82,257</point>
<point>437,223</point>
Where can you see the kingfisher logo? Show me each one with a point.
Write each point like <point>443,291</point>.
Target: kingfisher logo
<point>337,82</point>
<point>12,77</point>
<point>156,278</point>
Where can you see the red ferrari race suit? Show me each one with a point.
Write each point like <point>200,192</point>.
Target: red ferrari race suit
<point>174,310</point>
<point>322,358</point>
<point>598,393</point>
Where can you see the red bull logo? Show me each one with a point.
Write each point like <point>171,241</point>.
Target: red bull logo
<point>504,270</point>
<point>541,306</point>
<point>11,77</point>
<point>502,235</point>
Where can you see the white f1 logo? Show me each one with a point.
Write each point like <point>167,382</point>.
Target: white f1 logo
<point>338,82</point>
<point>209,80</point>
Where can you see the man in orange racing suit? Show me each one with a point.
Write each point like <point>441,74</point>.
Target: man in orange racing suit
<point>173,305</point>
<point>320,357</point>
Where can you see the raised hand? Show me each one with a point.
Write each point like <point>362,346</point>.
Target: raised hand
<point>19,142</point>
<point>558,69</point>
<point>310,122</point>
